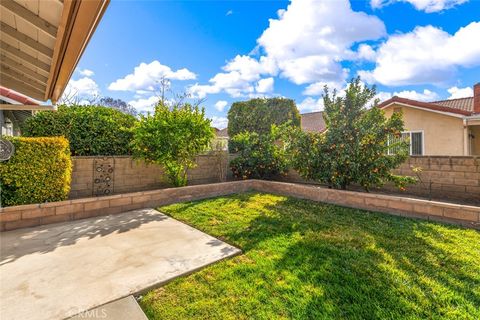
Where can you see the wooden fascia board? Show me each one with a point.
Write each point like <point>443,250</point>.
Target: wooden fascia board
<point>77,25</point>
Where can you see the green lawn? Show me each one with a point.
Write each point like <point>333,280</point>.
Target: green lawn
<point>308,260</point>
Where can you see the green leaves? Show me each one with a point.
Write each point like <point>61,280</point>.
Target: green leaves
<point>91,130</point>
<point>258,115</point>
<point>172,137</point>
<point>259,156</point>
<point>39,171</point>
<point>354,148</point>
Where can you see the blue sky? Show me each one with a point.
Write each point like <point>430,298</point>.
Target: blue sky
<point>226,51</point>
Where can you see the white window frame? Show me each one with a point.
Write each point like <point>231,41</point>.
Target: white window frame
<point>410,142</point>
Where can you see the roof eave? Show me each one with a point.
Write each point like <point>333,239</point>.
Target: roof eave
<point>78,23</point>
<point>424,106</point>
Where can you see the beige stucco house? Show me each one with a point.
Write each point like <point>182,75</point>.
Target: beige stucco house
<point>448,127</point>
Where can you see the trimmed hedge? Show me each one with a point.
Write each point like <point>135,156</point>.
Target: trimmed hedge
<point>39,171</point>
<point>91,130</point>
<point>258,115</point>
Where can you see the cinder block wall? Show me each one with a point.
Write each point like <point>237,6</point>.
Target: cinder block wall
<point>442,178</point>
<point>130,175</point>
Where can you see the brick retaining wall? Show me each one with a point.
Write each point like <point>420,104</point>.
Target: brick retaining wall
<point>129,175</point>
<point>37,214</point>
<point>442,178</point>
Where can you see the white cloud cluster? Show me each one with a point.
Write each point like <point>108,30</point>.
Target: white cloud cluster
<point>239,78</point>
<point>264,85</point>
<point>310,104</point>
<point>424,56</point>
<point>308,39</point>
<point>428,6</point>
<point>456,93</point>
<point>305,44</point>
<point>426,95</point>
<point>219,122</point>
<point>144,105</point>
<point>82,90</point>
<point>220,105</point>
<point>146,77</point>
<point>86,72</point>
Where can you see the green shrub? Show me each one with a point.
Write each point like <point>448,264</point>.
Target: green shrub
<point>258,115</point>
<point>91,130</point>
<point>39,171</point>
<point>173,137</point>
<point>259,156</point>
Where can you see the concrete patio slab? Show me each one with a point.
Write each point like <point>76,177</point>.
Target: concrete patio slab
<point>57,271</point>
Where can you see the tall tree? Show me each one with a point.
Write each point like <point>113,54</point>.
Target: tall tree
<point>118,104</point>
<point>258,115</point>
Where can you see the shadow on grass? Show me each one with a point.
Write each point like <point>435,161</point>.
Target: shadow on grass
<point>326,261</point>
<point>370,265</point>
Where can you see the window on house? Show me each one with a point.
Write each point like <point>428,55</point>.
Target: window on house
<point>415,139</point>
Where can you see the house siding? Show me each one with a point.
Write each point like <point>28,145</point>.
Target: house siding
<point>443,135</point>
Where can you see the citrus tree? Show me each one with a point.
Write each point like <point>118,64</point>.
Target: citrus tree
<point>172,137</point>
<point>355,147</point>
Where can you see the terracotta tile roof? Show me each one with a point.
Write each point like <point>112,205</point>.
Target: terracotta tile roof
<point>465,104</point>
<point>312,122</point>
<point>425,105</point>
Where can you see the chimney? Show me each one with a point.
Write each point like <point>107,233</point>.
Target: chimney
<point>476,98</point>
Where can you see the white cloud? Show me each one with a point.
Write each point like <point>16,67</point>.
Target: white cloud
<point>146,76</point>
<point>423,5</point>
<point>264,85</point>
<point>238,78</point>
<point>305,44</point>
<point>82,89</point>
<point>308,39</point>
<point>426,95</point>
<point>316,88</point>
<point>220,105</point>
<point>310,104</point>
<point>366,52</point>
<point>219,122</point>
<point>229,13</point>
<point>86,72</point>
<point>456,93</point>
<point>382,96</point>
<point>144,105</point>
<point>424,56</point>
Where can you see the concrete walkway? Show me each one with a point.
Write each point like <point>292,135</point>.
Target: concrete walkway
<point>123,309</point>
<point>57,271</point>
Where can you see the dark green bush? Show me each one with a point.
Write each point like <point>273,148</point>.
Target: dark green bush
<point>258,115</point>
<point>91,130</point>
<point>259,156</point>
<point>39,171</point>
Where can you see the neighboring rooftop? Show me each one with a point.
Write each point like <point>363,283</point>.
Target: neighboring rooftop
<point>312,122</point>
<point>222,133</point>
<point>465,104</point>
